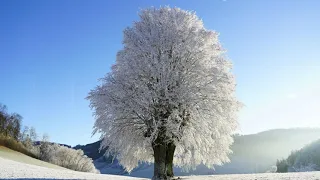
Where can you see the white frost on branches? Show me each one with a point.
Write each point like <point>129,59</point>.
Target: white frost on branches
<point>66,157</point>
<point>170,64</point>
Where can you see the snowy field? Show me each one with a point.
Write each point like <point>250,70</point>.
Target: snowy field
<point>17,156</point>
<point>10,169</point>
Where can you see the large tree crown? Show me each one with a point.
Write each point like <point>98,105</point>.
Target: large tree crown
<point>172,75</point>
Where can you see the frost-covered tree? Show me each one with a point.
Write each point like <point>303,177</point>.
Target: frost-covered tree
<point>170,96</point>
<point>45,149</point>
<point>10,124</point>
<point>28,137</point>
<point>15,124</point>
<point>33,134</point>
<point>73,159</point>
<point>66,157</point>
<point>25,134</point>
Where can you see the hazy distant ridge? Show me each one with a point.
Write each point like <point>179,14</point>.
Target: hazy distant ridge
<point>253,153</point>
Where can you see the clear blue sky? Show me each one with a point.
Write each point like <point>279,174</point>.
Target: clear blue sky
<point>53,52</point>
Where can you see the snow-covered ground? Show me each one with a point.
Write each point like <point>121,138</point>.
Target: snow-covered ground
<point>10,169</point>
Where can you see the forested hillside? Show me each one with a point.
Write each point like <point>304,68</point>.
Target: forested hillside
<point>302,160</point>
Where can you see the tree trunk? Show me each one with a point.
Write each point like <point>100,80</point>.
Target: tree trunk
<point>159,150</point>
<point>169,159</point>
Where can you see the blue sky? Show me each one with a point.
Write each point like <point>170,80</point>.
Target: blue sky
<point>53,52</point>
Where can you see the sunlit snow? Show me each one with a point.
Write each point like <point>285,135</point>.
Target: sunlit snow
<point>15,170</point>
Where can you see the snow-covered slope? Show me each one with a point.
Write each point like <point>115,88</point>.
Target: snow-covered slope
<point>14,169</point>
<point>10,169</point>
<point>17,156</point>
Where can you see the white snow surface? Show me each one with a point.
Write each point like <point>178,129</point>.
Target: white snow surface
<point>10,169</point>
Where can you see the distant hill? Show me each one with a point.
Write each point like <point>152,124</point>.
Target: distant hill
<point>302,160</point>
<point>258,152</point>
<point>254,153</point>
<point>37,143</point>
<point>92,150</point>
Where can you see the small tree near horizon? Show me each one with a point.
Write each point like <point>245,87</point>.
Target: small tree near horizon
<point>170,96</point>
